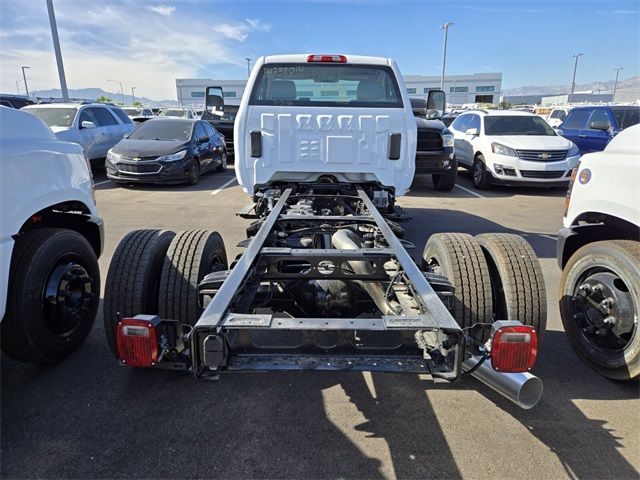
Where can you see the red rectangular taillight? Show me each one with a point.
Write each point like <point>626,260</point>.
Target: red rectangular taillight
<point>327,58</point>
<point>137,341</point>
<point>513,347</point>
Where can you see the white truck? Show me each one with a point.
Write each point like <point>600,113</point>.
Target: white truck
<point>50,239</point>
<point>599,254</point>
<point>324,144</point>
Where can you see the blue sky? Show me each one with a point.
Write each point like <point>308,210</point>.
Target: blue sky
<point>147,44</point>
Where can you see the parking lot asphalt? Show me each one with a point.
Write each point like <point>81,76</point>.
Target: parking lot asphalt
<point>87,417</point>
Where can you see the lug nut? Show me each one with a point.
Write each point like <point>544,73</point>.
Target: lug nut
<point>610,320</point>
<point>608,302</point>
<point>598,288</point>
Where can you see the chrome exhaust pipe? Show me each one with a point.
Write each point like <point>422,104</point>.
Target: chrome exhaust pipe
<point>347,240</point>
<point>523,389</point>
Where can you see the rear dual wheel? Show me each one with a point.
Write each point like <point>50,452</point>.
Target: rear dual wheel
<point>157,272</point>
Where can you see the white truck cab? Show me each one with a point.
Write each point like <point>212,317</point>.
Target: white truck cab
<point>305,116</point>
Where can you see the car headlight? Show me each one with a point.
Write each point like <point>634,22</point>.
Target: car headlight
<point>112,157</point>
<point>503,150</point>
<point>573,151</point>
<point>173,157</point>
<point>447,140</point>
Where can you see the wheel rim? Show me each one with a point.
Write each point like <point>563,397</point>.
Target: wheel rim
<point>194,174</point>
<point>604,310</point>
<point>67,297</point>
<point>224,161</point>
<point>478,172</point>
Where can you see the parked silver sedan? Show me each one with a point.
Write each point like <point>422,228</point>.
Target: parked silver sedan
<point>96,127</point>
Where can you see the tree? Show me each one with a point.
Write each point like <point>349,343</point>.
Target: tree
<point>103,99</point>
<point>136,104</point>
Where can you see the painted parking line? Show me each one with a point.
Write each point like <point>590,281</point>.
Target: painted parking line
<point>101,183</point>
<point>470,191</point>
<point>218,190</point>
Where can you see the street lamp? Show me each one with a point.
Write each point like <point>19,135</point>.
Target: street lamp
<point>18,86</point>
<point>444,27</point>
<point>573,81</point>
<point>25,80</point>
<point>615,84</point>
<point>121,89</point>
<point>133,95</point>
<point>248,66</point>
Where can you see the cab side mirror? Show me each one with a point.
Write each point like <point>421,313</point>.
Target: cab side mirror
<point>203,139</point>
<point>436,103</point>
<point>214,101</point>
<point>473,132</point>
<point>600,125</point>
<point>87,124</point>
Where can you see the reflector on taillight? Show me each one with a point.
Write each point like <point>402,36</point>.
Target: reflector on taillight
<point>327,58</point>
<point>137,340</point>
<point>513,347</point>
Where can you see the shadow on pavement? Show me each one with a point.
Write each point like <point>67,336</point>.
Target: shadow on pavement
<point>427,221</point>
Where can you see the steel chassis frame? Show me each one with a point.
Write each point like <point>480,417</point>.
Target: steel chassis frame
<point>438,341</point>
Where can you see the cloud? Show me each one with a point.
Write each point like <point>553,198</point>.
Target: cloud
<point>165,10</point>
<point>122,40</point>
<point>240,31</point>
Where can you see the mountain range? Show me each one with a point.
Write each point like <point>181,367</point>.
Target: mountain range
<point>93,93</point>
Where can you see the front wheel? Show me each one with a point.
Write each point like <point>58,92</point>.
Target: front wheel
<point>194,173</point>
<point>599,305</point>
<point>480,176</point>
<point>223,162</point>
<point>53,295</point>
<point>445,181</point>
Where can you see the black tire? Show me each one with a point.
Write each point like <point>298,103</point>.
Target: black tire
<point>615,266</point>
<point>223,164</point>
<point>516,280</point>
<point>459,257</point>
<point>133,278</point>
<point>53,295</point>
<point>445,181</point>
<point>194,173</point>
<point>479,176</point>
<point>192,255</point>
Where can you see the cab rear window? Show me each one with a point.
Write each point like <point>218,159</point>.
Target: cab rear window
<point>326,85</point>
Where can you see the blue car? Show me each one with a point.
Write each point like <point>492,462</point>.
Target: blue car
<point>592,128</point>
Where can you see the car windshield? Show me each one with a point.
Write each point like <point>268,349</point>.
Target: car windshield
<point>516,125</point>
<point>326,85</point>
<point>230,112</point>
<point>54,117</point>
<point>130,111</point>
<point>175,112</point>
<point>163,130</point>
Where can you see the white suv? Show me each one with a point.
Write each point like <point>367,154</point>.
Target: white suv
<point>510,147</point>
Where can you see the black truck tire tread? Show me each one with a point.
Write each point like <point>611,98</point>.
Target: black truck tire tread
<point>183,269</point>
<point>467,269</point>
<point>520,293</point>
<point>445,182</point>
<point>131,286</point>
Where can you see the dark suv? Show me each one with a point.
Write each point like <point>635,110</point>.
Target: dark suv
<point>592,128</point>
<point>15,101</point>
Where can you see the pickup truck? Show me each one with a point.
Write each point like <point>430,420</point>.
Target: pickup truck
<point>50,239</point>
<point>324,145</point>
<point>434,149</point>
<point>599,254</point>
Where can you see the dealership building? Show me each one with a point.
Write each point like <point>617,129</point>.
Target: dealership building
<point>460,89</point>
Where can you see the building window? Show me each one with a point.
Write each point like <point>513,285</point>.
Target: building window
<point>484,98</point>
<point>428,89</point>
<point>305,93</point>
<point>197,94</point>
<point>228,94</point>
<point>485,88</point>
<point>411,91</point>
<point>458,89</point>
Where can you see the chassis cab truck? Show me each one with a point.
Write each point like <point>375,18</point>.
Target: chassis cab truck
<point>324,145</point>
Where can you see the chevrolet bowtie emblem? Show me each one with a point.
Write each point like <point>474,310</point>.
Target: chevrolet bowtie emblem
<point>544,156</point>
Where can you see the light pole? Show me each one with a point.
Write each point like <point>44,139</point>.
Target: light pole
<point>58,52</point>
<point>248,66</point>
<point>24,77</point>
<point>133,94</point>
<point>121,89</point>
<point>180,93</point>
<point>615,84</point>
<point>573,81</point>
<point>444,27</point>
